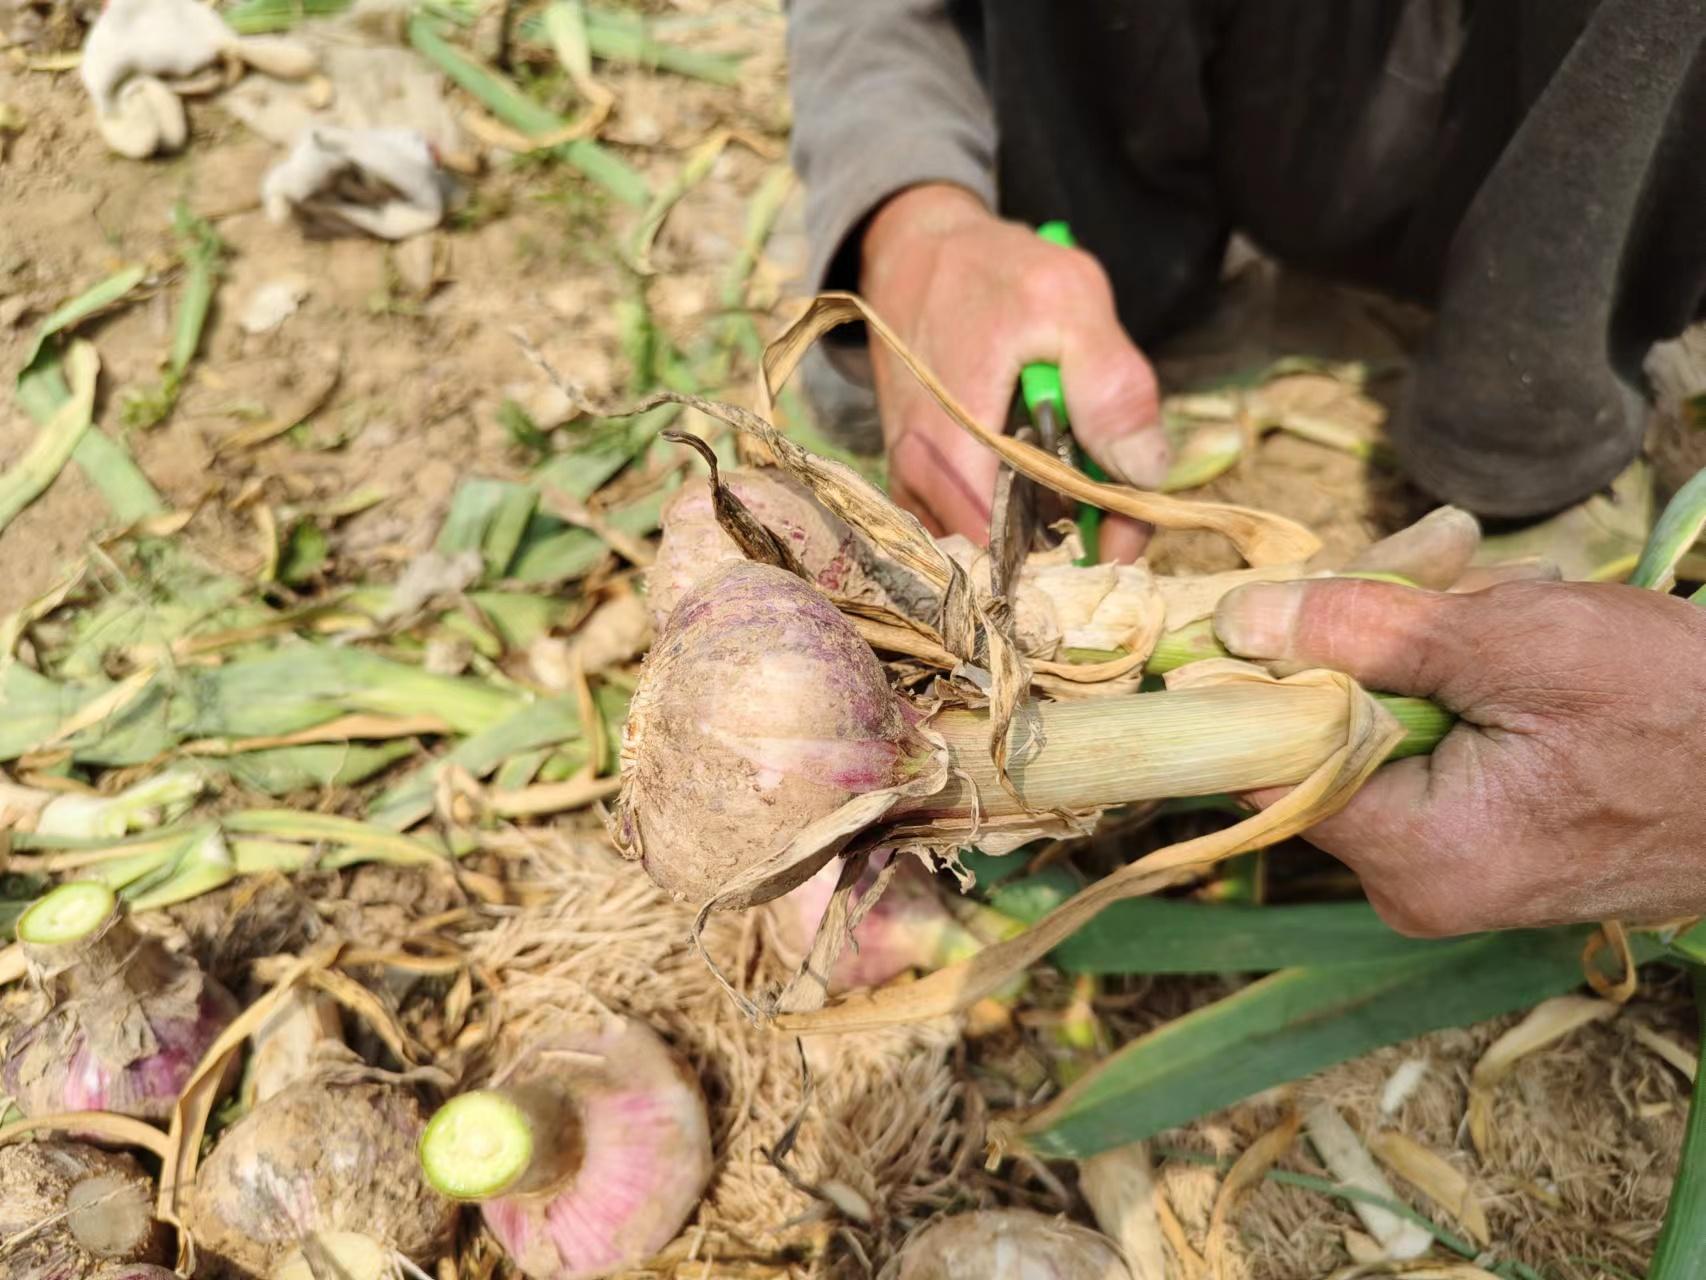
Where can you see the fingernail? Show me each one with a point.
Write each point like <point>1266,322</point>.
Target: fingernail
<point>1257,621</point>
<point>1140,459</point>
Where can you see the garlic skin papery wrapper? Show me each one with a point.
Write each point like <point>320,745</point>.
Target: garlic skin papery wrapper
<point>694,546</point>
<point>383,182</point>
<point>115,1022</point>
<point>588,1159</point>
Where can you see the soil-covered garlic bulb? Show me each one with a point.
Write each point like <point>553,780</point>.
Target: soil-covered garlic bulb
<point>320,1156</point>
<point>759,711</point>
<point>116,1022</point>
<point>588,1159</point>
<point>68,1210</point>
<point>694,545</point>
<point>1010,1244</point>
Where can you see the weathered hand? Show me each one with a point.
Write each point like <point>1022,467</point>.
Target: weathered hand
<point>977,298</point>
<point>1566,793</point>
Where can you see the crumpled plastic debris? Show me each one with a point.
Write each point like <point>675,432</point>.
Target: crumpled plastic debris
<point>137,49</point>
<point>385,182</point>
<point>369,87</point>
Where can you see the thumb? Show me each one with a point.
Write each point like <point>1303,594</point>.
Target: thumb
<point>1388,637</point>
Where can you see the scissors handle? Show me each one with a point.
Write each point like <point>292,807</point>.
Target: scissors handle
<point>1045,399</point>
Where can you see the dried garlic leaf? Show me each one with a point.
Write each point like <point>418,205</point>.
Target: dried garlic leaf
<point>1119,1186</point>
<point>1342,1151</point>
<point>1262,538</point>
<point>1435,1177</point>
<point>861,504</point>
<point>1546,1024</point>
<point>749,533</point>
<point>1250,1168</point>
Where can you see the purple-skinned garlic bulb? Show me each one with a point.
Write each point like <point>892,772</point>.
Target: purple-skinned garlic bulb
<point>117,1022</point>
<point>588,1159</point>
<point>68,1210</point>
<point>909,927</point>
<point>760,711</point>
<point>694,544</point>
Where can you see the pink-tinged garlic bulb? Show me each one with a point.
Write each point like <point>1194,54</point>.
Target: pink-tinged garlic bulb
<point>908,928</point>
<point>67,1210</point>
<point>117,1022</point>
<point>588,1160</point>
<point>759,711</point>
<point>1010,1244</point>
<point>135,1271</point>
<point>694,544</point>
<point>320,1156</point>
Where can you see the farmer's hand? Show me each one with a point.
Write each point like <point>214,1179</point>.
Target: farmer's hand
<point>977,298</point>
<point>1569,790</point>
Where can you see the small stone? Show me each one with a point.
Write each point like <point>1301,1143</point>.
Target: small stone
<point>270,305</point>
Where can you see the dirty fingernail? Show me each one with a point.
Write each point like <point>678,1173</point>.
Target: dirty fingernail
<point>1140,459</point>
<point>1258,621</point>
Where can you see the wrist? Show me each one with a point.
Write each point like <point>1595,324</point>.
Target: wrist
<point>927,210</point>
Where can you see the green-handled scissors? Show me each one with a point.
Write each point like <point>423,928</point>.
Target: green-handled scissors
<point>1045,399</point>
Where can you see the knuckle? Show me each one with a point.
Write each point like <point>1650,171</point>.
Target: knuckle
<point>1062,280</point>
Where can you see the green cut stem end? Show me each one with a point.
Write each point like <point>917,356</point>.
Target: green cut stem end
<point>67,914</point>
<point>476,1146</point>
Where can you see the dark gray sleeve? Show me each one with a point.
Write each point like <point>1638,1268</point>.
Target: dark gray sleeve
<point>886,95</point>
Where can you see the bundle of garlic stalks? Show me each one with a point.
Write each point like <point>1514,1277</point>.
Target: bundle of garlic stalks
<point>832,690</point>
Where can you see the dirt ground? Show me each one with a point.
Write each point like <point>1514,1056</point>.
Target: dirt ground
<point>418,381</point>
<point>399,387</point>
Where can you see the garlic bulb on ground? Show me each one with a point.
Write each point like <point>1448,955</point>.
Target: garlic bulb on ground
<point>68,1210</point>
<point>587,1160</point>
<point>117,1022</point>
<point>321,1156</point>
